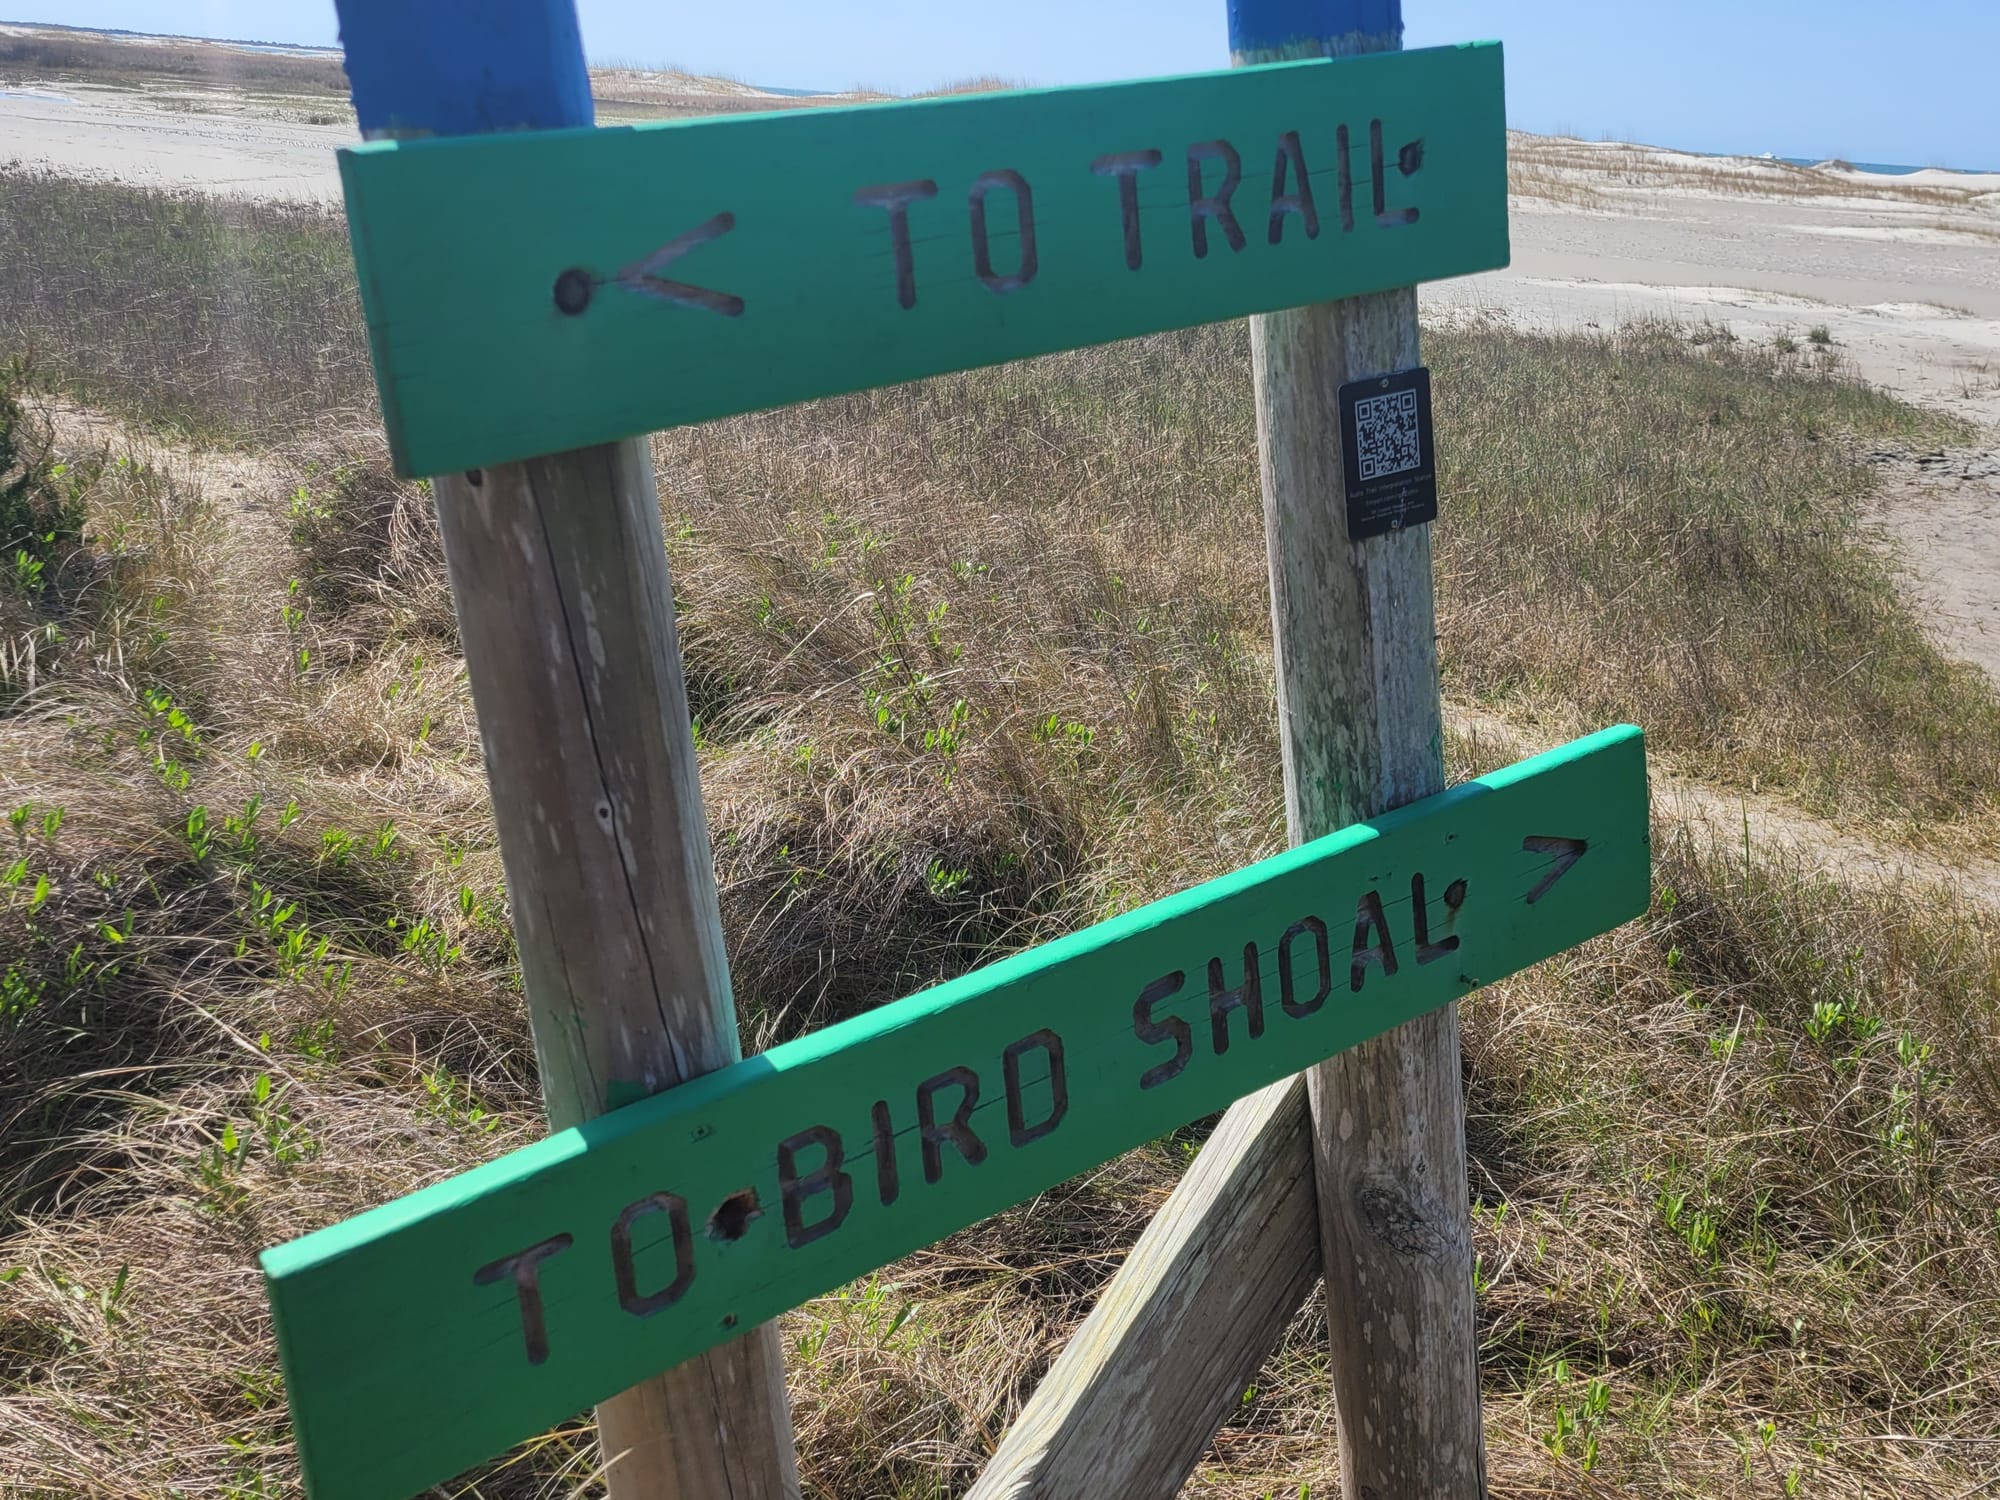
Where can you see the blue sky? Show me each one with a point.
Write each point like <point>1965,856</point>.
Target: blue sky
<point>1798,77</point>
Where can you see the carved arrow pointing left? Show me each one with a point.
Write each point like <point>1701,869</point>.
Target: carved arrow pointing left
<point>644,275</point>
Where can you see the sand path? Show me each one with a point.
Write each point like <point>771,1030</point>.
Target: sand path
<point>1941,514</point>
<point>1733,820</point>
<point>1910,294</point>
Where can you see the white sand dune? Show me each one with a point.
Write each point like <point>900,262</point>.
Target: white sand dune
<point>1970,182</point>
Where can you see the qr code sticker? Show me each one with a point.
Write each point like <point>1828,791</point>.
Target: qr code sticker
<point>1385,432</point>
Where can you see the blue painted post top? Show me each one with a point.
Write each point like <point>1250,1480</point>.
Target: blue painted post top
<point>464,67</point>
<point>1270,25</point>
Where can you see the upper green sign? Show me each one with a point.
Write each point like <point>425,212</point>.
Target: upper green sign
<point>429,1333</point>
<point>535,292</point>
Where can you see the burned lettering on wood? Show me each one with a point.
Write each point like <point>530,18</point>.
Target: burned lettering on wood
<point>1299,200</point>
<point>886,1182</point>
<point>957,1131</point>
<point>1374,945</point>
<point>815,1184</point>
<point>897,198</point>
<point>524,1267</point>
<point>625,1271</point>
<point>1291,197</point>
<point>1370,918</point>
<point>1247,997</point>
<point>1024,217</point>
<point>1344,177</point>
<point>1045,1041</point>
<point>1126,167</point>
<point>1566,851</point>
<point>1409,159</point>
<point>1454,898</point>
<point>678,273</point>
<point>824,1178</point>
<point>1287,973</point>
<point>1149,1031</point>
<point>816,1190</point>
<point>1204,205</point>
<point>726,1200</point>
<point>646,276</point>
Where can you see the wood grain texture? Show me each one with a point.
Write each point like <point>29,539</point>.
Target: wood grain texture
<point>637,278</point>
<point>1362,731</point>
<point>565,609</point>
<point>660,1229</point>
<point>566,613</point>
<point>558,569</point>
<point>1131,1403</point>
<point>1153,1330</point>
<point>1361,728</point>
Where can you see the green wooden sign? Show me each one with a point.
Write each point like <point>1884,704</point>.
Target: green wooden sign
<point>529,293</point>
<point>426,1335</point>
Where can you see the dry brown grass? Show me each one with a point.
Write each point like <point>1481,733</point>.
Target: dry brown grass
<point>1652,526</point>
<point>973,661</point>
<point>58,54</point>
<point>1659,527</point>
<point>217,317</point>
<point>1563,166</point>
<point>1973,231</point>
<point>980,83</point>
<point>1735,1161</point>
<point>1530,176</point>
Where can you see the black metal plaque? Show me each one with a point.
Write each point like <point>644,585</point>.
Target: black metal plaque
<point>1387,449</point>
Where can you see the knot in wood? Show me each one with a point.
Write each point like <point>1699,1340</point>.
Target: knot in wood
<point>1401,1222</point>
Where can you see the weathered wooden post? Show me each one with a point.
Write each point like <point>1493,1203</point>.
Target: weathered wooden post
<point>1182,1325</point>
<point>651,1237</point>
<point>559,575</point>
<point>1362,730</point>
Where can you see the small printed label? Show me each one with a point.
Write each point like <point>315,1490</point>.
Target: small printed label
<point>1388,453</point>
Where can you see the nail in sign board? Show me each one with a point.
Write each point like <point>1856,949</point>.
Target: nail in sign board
<point>428,1334</point>
<point>532,292</point>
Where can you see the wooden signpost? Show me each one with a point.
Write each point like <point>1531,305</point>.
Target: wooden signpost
<point>637,278</point>
<point>624,280</point>
<point>572,1268</point>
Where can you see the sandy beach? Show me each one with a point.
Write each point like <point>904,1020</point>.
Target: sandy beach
<point>1900,273</point>
<point>219,141</point>
<point>1904,271</point>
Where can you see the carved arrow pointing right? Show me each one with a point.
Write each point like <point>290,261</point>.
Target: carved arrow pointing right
<point>1566,851</point>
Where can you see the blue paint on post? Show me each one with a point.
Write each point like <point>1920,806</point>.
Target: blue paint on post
<point>1267,25</point>
<point>464,67</point>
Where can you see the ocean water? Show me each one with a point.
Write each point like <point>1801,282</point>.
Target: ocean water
<point>285,49</point>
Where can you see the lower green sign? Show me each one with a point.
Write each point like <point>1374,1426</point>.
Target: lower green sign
<point>428,1334</point>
